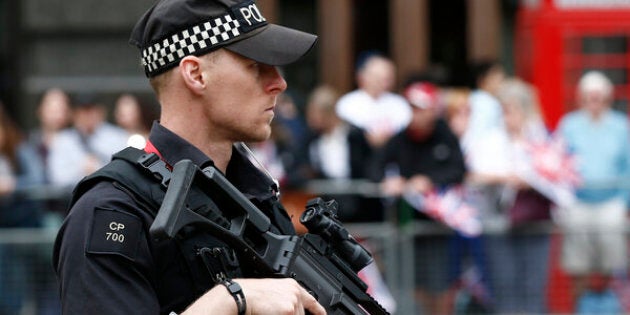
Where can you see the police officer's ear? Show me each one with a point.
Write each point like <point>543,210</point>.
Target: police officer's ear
<point>191,71</point>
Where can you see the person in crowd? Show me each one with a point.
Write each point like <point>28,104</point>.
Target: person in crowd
<point>485,128</point>
<point>482,139</point>
<point>468,262</point>
<point>594,241</point>
<point>290,121</point>
<point>423,158</point>
<point>86,146</point>
<point>485,110</point>
<point>134,116</point>
<point>457,110</point>
<point>519,260</point>
<point>215,94</point>
<point>54,115</point>
<point>373,107</point>
<point>337,150</point>
<point>19,172</point>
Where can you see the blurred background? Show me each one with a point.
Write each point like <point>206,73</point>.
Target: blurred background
<point>75,55</point>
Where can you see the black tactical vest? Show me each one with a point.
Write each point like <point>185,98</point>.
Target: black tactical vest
<point>143,176</point>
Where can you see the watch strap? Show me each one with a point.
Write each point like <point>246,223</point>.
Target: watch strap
<point>237,293</point>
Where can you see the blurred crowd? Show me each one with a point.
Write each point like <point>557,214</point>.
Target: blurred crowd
<point>75,135</point>
<point>478,160</point>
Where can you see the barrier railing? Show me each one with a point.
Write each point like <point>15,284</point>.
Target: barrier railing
<point>393,247</point>
<point>391,242</point>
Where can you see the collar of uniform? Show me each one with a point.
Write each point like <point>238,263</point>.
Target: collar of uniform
<point>240,171</point>
<point>173,148</point>
<point>250,180</point>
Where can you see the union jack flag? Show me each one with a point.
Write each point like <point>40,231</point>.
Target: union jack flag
<point>449,207</point>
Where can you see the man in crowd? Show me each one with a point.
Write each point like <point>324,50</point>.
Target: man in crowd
<point>422,159</point>
<point>373,107</point>
<point>595,239</point>
<point>86,146</point>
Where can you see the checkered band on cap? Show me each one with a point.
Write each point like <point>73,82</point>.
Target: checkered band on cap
<point>199,37</point>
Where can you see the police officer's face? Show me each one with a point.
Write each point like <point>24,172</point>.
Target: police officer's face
<point>242,96</point>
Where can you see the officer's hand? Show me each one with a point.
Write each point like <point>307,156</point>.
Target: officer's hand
<point>263,296</point>
<point>278,296</point>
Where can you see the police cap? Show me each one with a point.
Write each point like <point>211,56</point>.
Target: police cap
<point>173,29</point>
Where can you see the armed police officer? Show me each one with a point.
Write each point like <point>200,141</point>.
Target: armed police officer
<point>212,64</point>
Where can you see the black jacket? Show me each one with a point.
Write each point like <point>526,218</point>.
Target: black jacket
<point>106,261</point>
<point>438,157</point>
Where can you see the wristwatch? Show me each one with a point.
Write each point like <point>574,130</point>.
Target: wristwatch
<point>237,293</point>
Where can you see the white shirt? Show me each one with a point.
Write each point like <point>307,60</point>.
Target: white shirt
<point>490,153</point>
<point>333,153</point>
<point>68,152</point>
<point>486,115</point>
<point>389,112</point>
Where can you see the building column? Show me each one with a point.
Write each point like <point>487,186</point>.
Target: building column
<point>484,29</point>
<point>410,42</point>
<point>335,45</point>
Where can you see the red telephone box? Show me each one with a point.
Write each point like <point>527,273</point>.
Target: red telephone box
<point>556,41</point>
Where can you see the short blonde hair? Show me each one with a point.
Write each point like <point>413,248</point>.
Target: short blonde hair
<point>160,81</point>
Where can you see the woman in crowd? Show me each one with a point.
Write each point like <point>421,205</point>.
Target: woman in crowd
<point>19,172</point>
<point>526,254</point>
<point>54,114</point>
<point>131,114</point>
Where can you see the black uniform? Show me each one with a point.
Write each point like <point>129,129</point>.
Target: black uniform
<point>108,263</point>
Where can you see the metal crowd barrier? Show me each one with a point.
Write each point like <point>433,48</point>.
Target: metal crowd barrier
<point>393,248</point>
<point>392,243</point>
<point>396,249</point>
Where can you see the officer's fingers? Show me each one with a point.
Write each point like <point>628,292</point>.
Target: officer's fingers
<point>310,303</point>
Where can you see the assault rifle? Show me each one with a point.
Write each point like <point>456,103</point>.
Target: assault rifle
<point>324,261</point>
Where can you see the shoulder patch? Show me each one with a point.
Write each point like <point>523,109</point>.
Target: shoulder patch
<point>114,232</point>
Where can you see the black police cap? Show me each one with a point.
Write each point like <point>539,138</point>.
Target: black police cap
<point>173,29</point>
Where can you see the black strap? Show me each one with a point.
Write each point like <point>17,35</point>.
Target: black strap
<point>129,170</point>
<point>237,293</point>
<point>135,172</point>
